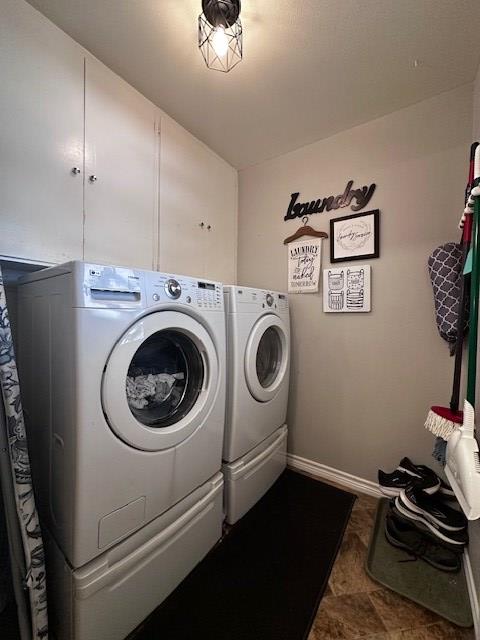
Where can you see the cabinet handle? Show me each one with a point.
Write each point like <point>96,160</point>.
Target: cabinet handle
<point>76,171</point>
<point>92,178</point>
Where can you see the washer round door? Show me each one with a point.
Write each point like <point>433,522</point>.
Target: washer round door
<point>160,381</point>
<point>266,357</point>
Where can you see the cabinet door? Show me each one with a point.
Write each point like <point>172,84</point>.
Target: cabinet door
<point>41,138</point>
<point>121,202</point>
<point>220,257</point>
<point>196,187</point>
<point>183,206</point>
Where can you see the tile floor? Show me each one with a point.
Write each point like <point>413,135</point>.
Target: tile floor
<point>356,607</point>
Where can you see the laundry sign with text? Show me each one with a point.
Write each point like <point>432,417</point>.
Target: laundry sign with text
<point>304,265</point>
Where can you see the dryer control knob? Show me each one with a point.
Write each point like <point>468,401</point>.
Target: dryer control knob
<point>173,289</point>
<point>269,299</point>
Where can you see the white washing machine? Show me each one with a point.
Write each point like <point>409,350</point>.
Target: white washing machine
<point>123,379</point>
<point>258,365</point>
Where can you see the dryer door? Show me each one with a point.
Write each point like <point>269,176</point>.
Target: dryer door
<point>160,381</point>
<point>266,357</point>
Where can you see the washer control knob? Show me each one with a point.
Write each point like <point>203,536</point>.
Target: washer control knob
<point>269,299</point>
<point>156,297</point>
<point>173,289</point>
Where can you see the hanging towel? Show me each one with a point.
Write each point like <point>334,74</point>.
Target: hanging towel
<point>20,467</point>
<point>445,268</point>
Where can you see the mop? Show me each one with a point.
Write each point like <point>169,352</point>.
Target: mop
<point>463,461</point>
<point>443,421</point>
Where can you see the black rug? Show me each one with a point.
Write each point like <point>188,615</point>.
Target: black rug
<point>265,579</point>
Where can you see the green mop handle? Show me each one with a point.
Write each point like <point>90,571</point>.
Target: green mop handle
<point>474,285</point>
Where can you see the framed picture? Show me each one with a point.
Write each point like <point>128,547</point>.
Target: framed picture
<point>355,237</point>
<point>347,289</point>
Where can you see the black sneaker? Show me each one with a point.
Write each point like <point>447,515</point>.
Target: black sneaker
<point>427,518</point>
<point>459,538</point>
<point>456,542</point>
<point>433,508</point>
<point>391,484</point>
<point>408,466</point>
<point>406,536</point>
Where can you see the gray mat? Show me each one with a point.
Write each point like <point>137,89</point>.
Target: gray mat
<point>444,593</point>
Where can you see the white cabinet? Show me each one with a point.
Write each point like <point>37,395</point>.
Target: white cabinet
<point>65,117</point>
<point>196,186</point>
<point>84,171</point>
<point>221,254</point>
<point>41,138</point>
<point>121,169</point>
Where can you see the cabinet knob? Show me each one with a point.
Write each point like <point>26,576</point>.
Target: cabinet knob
<point>209,227</point>
<point>92,178</point>
<point>76,171</point>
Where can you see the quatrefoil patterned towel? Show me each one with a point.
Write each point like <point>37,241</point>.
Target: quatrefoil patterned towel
<point>445,266</point>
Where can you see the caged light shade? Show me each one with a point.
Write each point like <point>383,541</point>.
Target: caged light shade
<point>220,35</point>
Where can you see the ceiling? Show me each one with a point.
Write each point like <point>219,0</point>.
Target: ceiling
<point>311,68</point>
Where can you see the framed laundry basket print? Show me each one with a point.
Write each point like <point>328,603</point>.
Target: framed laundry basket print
<point>347,289</point>
<point>355,237</point>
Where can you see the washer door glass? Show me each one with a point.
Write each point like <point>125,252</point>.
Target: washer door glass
<point>160,381</point>
<point>269,357</point>
<point>164,379</point>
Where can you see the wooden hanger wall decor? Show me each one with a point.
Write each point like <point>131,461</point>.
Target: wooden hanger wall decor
<point>305,231</point>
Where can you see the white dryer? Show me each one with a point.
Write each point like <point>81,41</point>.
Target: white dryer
<point>258,365</point>
<point>123,375</point>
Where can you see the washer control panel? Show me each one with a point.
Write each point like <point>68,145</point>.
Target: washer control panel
<point>248,299</point>
<point>208,295</point>
<point>200,294</point>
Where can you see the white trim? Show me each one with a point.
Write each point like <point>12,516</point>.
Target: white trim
<point>472,592</point>
<point>347,480</point>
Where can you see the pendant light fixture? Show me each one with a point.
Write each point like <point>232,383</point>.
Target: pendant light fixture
<point>220,34</point>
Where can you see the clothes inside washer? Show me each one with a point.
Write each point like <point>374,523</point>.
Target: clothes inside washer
<point>151,388</point>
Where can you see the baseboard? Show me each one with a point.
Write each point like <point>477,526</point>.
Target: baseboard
<point>472,592</point>
<point>347,480</point>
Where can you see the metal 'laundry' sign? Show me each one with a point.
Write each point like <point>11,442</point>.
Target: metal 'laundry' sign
<point>357,199</point>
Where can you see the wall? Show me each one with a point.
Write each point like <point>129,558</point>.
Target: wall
<point>362,384</point>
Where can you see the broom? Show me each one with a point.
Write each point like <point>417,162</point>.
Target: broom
<point>443,421</point>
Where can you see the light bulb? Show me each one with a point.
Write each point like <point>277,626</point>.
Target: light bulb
<point>220,42</point>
